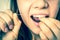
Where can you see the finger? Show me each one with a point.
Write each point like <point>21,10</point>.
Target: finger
<point>17,24</point>
<point>42,36</point>
<point>51,26</point>
<point>2,25</point>
<point>7,19</point>
<point>56,22</point>
<point>9,12</point>
<point>46,31</point>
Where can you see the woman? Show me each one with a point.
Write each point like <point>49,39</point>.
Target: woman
<point>39,16</point>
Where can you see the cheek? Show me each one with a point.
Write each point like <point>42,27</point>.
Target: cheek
<point>24,8</point>
<point>53,9</point>
<point>53,12</point>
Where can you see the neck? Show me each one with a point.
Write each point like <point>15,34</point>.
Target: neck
<point>35,37</point>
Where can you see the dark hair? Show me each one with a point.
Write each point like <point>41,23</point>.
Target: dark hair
<point>24,32</point>
<point>58,15</point>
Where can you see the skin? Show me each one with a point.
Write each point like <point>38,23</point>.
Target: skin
<point>47,26</point>
<point>31,7</point>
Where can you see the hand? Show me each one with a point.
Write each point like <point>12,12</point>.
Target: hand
<point>6,17</point>
<point>50,29</point>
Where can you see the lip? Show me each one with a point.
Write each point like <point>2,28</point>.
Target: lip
<point>40,16</point>
<point>36,23</point>
<point>37,16</point>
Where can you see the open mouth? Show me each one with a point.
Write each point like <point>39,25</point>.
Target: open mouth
<point>36,19</point>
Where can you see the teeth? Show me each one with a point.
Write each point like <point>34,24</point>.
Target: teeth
<point>36,17</point>
<point>40,16</point>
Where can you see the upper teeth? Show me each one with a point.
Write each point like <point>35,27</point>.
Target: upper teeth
<point>40,16</point>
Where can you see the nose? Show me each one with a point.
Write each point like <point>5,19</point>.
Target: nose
<point>40,4</point>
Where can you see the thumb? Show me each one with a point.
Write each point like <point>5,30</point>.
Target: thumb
<point>17,24</point>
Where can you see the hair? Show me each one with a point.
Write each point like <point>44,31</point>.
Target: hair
<point>58,15</point>
<point>24,33</point>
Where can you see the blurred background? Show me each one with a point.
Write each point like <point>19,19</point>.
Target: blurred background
<point>4,4</point>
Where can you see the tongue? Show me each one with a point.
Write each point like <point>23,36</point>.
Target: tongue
<point>36,19</point>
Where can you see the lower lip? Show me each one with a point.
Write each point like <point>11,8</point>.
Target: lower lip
<point>36,23</point>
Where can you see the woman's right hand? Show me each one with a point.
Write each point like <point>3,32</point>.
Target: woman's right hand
<point>50,29</point>
<point>6,17</point>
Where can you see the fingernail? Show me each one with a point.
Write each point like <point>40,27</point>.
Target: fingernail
<point>10,26</point>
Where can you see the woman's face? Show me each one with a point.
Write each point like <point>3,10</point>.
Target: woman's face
<point>31,10</point>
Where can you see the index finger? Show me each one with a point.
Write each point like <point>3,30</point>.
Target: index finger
<point>8,12</point>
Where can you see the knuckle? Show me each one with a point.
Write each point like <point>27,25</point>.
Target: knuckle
<point>19,22</point>
<point>9,12</point>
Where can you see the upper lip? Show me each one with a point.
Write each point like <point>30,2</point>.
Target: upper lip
<point>39,15</point>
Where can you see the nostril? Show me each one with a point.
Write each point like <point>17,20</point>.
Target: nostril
<point>46,5</point>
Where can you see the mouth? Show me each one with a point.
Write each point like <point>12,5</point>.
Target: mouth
<point>36,19</point>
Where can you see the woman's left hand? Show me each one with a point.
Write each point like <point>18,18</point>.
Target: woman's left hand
<point>50,29</point>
